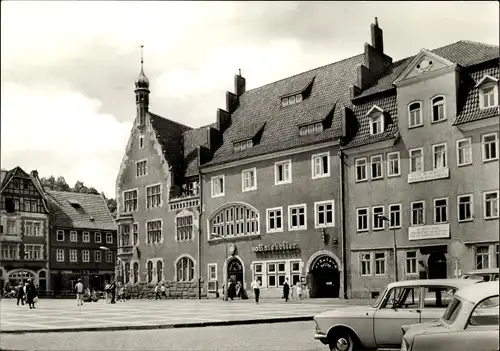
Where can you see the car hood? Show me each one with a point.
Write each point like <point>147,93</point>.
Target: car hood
<point>432,327</point>
<point>346,311</point>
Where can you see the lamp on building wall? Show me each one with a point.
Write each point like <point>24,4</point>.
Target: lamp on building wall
<point>385,219</point>
<point>224,267</point>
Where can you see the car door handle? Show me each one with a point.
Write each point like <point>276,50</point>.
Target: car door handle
<point>418,311</point>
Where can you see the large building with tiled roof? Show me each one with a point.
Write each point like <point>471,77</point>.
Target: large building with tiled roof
<point>24,228</point>
<point>83,240</point>
<point>291,175</point>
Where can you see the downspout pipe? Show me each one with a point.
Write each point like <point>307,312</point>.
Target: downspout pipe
<point>342,221</point>
<point>200,214</point>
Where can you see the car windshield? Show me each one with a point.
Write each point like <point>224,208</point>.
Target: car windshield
<point>378,299</point>
<point>452,311</point>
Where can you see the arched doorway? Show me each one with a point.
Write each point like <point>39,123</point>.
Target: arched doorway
<point>437,265</point>
<point>325,277</point>
<point>235,270</point>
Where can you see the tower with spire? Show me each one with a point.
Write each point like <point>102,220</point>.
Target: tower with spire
<point>142,93</point>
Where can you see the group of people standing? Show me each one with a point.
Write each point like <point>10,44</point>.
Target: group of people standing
<point>296,290</point>
<point>27,293</point>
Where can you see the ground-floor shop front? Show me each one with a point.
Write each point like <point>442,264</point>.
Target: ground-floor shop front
<point>13,275</point>
<point>318,272</point>
<point>63,281</point>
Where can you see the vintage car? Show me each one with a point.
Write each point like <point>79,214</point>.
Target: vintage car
<point>379,324</point>
<point>469,323</point>
<point>485,275</point>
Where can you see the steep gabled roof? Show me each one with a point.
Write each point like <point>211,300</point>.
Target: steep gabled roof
<point>79,211</point>
<point>7,176</point>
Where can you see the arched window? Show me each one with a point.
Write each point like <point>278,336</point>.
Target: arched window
<point>136,272</point>
<point>234,220</point>
<point>415,114</point>
<point>159,270</point>
<point>127,272</point>
<point>185,269</point>
<point>150,272</point>
<point>438,112</point>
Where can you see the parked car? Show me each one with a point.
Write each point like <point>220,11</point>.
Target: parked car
<point>485,275</point>
<point>379,324</point>
<point>469,323</point>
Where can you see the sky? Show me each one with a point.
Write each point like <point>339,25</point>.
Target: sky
<point>68,67</point>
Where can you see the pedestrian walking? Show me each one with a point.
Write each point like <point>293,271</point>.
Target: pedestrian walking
<point>79,292</point>
<point>163,291</point>
<point>256,289</point>
<point>112,288</point>
<point>121,294</point>
<point>31,294</point>
<point>157,292</point>
<point>107,294</point>
<point>230,289</point>
<point>286,289</point>
<point>20,294</point>
<point>238,290</point>
<point>298,288</point>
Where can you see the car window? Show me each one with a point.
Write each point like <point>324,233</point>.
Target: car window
<point>495,277</point>
<point>438,297</point>
<point>485,313</point>
<point>403,297</point>
<point>452,311</point>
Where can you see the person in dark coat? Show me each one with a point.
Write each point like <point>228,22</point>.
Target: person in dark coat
<point>112,289</point>
<point>286,290</point>
<point>31,293</point>
<point>20,294</point>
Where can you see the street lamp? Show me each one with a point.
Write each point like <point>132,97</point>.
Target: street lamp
<point>224,283</point>
<point>385,219</point>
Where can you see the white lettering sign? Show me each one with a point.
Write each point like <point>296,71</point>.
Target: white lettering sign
<point>417,177</point>
<point>435,231</point>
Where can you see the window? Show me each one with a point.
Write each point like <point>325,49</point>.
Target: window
<point>72,256</point>
<point>150,272</point>
<point>311,129</point>
<point>441,211</point>
<point>497,255</point>
<point>243,145</point>
<point>109,256</point>
<point>274,220</point>
<point>488,96</point>
<point>11,228</point>
<point>185,270</point>
<point>490,146</point>
<point>33,252</point>
<point>491,204</point>
<point>417,160</point>
<point>257,271</point>
<point>415,114</point>
<point>218,186</point>
<point>377,212</point>
<point>295,269</point>
<point>32,228</point>
<point>135,233</point>
<point>403,298</point>
<point>321,165</point>
<point>439,160</point>
<point>276,274</point>
<point>478,315</point>
<point>9,252</point>
<point>324,214</point>
<point>393,164</point>
<point>418,213</point>
<point>438,297</point>
<point>235,220</point>
<point>184,228</point>
<point>361,169</point>
<point>297,217</point>
<point>482,257</point>
<point>86,237</point>
<point>136,272</point>
<point>283,172</point>
<point>411,262</point>
<point>141,168</point>
<point>141,141</point>
<point>154,231</point>
<point>438,109</point>
<point>465,208</point>
<point>464,152</point>
<point>109,238</point>
<point>249,179</point>
<point>159,270</point>
<point>85,255</point>
<point>366,264</point>
<point>362,215</point>
<point>15,183</point>
<point>130,200</point>
<point>376,167</point>
<point>97,237</point>
<point>212,271</point>
<point>380,263</point>
<point>124,235</point>
<point>291,100</point>
<point>60,235</point>
<point>97,256</point>
<point>153,196</point>
<point>126,272</point>
<point>395,216</point>
<point>60,255</point>
<point>73,236</point>
<point>376,124</point>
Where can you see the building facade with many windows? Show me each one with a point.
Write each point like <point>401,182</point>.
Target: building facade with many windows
<point>24,239</point>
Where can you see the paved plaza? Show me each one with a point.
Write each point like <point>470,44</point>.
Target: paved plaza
<point>64,315</point>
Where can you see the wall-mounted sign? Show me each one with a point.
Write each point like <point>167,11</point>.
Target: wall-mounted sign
<point>232,249</point>
<point>417,177</point>
<point>284,246</point>
<point>436,231</point>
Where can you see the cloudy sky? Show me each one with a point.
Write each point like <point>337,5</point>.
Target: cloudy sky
<point>68,68</point>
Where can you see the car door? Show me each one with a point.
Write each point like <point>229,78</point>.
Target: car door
<point>435,301</point>
<point>400,307</point>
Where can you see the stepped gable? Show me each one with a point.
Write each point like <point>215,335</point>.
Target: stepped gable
<point>193,138</point>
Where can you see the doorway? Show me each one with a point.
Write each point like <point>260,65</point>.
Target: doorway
<point>235,270</point>
<point>437,265</point>
<point>325,278</point>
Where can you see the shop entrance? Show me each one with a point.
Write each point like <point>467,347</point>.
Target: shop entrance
<point>325,278</point>
<point>437,265</point>
<point>235,270</point>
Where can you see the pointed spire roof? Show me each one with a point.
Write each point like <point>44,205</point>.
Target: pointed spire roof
<point>142,81</point>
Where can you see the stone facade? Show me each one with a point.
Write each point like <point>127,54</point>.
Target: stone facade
<point>175,290</point>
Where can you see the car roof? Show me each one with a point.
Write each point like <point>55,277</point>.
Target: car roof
<point>454,282</point>
<point>474,295</point>
<point>484,271</point>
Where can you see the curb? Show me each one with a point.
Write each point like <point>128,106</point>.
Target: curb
<point>162,326</point>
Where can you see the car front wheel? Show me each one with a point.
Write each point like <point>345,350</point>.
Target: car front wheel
<point>341,342</point>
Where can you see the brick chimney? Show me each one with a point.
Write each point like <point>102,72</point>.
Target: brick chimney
<point>239,84</point>
<point>377,37</point>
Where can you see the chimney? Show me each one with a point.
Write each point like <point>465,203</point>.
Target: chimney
<point>223,120</point>
<point>377,37</point>
<point>231,102</point>
<point>239,84</point>
<point>34,174</point>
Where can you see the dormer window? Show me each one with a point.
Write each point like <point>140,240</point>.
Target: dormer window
<point>438,111</point>
<point>311,129</point>
<point>376,120</point>
<point>488,92</point>
<point>242,145</point>
<point>291,100</point>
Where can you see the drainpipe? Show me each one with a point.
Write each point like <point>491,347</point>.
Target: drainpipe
<point>200,214</point>
<point>342,221</point>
